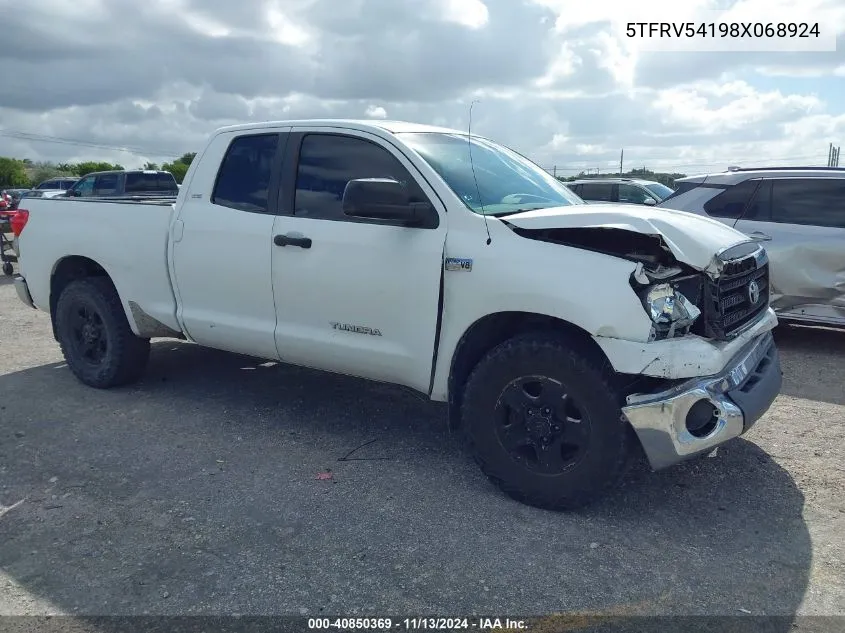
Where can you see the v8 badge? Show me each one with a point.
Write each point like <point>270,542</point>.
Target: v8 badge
<point>458,264</point>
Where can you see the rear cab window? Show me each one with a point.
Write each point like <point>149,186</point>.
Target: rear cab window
<point>243,181</point>
<point>155,182</point>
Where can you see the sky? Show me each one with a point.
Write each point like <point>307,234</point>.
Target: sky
<point>557,80</point>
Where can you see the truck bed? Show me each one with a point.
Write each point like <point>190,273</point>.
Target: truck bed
<point>120,237</point>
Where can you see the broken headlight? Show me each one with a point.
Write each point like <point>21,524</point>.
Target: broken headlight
<point>671,313</point>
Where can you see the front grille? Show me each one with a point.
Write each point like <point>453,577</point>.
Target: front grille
<point>729,298</point>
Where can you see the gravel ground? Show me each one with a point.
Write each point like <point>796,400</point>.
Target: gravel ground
<point>196,491</point>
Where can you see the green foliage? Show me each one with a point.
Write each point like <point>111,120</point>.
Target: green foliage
<point>151,166</point>
<point>642,173</point>
<point>178,169</point>
<point>40,174</point>
<point>13,173</point>
<point>89,166</point>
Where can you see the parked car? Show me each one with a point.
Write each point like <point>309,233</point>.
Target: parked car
<point>117,184</point>
<point>41,193</point>
<point>799,214</point>
<point>57,184</point>
<point>16,197</point>
<point>560,334</point>
<point>623,190</point>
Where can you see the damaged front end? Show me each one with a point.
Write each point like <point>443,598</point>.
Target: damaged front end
<point>716,301</point>
<point>710,368</point>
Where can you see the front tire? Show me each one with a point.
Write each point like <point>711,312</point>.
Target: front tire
<point>544,423</point>
<point>96,340</point>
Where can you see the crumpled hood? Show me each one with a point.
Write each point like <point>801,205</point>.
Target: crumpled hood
<point>693,239</point>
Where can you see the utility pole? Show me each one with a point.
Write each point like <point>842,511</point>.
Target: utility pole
<point>621,156</point>
<point>833,156</point>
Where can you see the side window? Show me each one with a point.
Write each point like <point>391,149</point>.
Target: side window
<point>327,162</point>
<point>597,191</point>
<point>814,201</point>
<point>576,189</point>
<point>732,201</point>
<point>136,182</point>
<point>243,181</point>
<point>760,207</point>
<point>85,187</point>
<point>632,194</point>
<point>166,183</point>
<point>106,185</point>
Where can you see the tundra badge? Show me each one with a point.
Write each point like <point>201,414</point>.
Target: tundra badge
<point>358,329</point>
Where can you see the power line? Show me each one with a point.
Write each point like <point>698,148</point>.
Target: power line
<point>43,138</point>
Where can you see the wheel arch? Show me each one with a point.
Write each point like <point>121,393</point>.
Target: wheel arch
<point>493,329</point>
<point>72,268</point>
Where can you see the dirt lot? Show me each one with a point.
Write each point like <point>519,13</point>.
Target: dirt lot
<point>195,491</point>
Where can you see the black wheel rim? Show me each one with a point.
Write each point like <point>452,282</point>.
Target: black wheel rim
<point>541,426</point>
<point>88,333</point>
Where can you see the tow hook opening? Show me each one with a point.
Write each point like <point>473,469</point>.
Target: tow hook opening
<point>702,419</point>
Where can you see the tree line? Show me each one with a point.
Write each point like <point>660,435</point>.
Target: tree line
<point>16,173</point>
<point>640,173</point>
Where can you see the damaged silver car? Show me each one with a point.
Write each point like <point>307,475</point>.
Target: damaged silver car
<point>798,213</point>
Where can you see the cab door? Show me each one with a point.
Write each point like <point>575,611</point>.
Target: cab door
<point>355,296</point>
<point>222,243</point>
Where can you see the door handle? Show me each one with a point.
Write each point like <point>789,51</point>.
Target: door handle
<point>292,240</point>
<point>760,236</point>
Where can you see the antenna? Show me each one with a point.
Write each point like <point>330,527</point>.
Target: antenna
<point>472,166</point>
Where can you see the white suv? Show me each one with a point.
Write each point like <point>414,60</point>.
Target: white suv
<point>798,213</point>
<point>622,190</point>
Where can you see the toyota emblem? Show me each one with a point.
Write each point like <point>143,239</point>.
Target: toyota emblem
<point>753,292</point>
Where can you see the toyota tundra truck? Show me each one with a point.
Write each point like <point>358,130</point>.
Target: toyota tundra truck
<point>565,337</point>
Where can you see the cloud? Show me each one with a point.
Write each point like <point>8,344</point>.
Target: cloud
<point>555,79</point>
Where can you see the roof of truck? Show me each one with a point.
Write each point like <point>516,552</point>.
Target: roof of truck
<point>365,125</point>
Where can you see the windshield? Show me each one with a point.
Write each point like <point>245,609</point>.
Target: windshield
<point>504,182</point>
<point>661,191</point>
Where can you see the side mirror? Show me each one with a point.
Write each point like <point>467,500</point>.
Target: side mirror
<point>650,202</point>
<point>379,198</point>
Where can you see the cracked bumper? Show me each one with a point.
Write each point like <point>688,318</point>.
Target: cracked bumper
<point>737,397</point>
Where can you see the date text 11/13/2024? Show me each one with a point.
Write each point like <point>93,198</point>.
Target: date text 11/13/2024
<point>416,624</point>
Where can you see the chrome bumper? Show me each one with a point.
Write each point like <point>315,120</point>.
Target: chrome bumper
<point>23,291</point>
<point>701,413</point>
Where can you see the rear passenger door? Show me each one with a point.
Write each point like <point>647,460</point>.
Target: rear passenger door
<point>801,223</point>
<point>361,297</point>
<point>222,240</point>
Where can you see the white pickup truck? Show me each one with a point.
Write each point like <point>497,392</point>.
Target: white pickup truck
<point>564,336</point>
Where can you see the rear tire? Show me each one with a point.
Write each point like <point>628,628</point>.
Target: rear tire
<point>96,340</point>
<point>544,424</point>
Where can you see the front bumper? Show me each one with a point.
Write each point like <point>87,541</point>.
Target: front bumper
<point>701,413</point>
<point>23,291</point>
